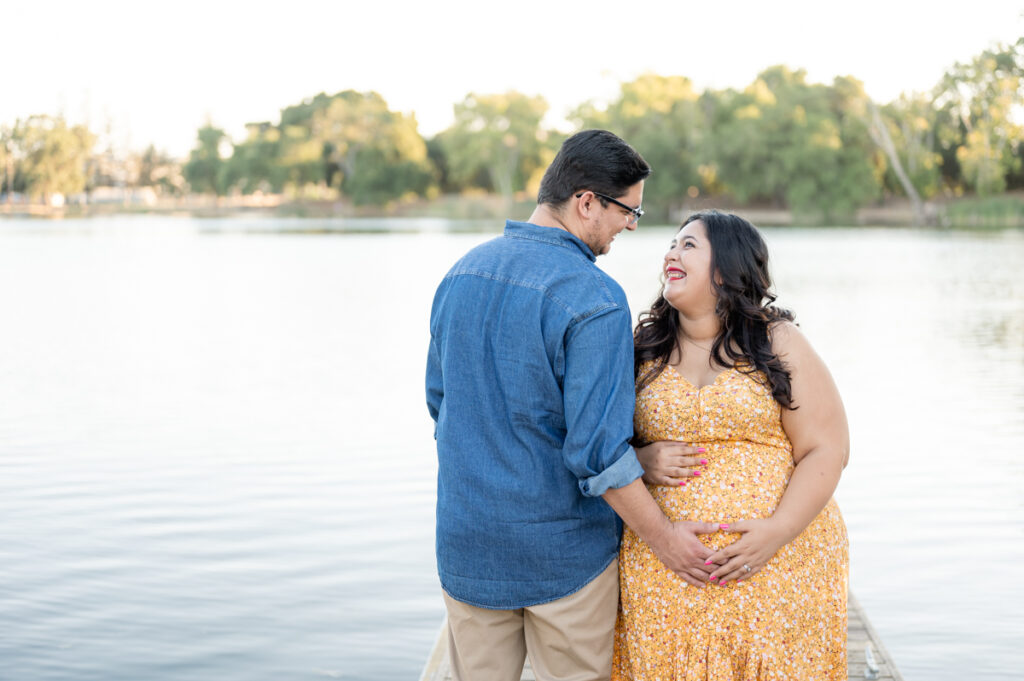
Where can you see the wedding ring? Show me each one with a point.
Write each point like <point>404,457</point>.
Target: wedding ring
<point>746,567</point>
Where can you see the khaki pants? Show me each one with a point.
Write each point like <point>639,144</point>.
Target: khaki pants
<point>567,640</point>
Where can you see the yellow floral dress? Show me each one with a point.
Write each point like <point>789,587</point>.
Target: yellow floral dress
<point>787,621</point>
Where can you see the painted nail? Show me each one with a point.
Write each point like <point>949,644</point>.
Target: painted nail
<point>713,578</point>
<point>696,473</point>
<point>682,484</point>
<point>723,527</point>
<point>701,450</point>
<point>707,562</point>
<point>704,461</point>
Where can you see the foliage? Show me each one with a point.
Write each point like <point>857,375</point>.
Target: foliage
<point>911,121</point>
<point>496,142</point>
<point>256,163</point>
<point>206,171</point>
<point>821,150</point>
<point>350,142</point>
<point>793,144</point>
<point>660,117</point>
<point>48,157</point>
<point>371,153</point>
<point>976,104</point>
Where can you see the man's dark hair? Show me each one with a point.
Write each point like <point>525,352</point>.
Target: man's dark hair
<point>592,159</point>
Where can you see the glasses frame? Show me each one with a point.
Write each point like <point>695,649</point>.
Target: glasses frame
<point>637,212</point>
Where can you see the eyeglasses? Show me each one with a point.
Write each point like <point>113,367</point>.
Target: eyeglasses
<point>637,212</point>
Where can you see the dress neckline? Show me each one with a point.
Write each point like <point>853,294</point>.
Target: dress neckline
<point>717,378</point>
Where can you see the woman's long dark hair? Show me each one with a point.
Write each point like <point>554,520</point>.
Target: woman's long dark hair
<point>739,266</point>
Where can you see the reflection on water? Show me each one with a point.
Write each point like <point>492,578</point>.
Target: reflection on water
<point>215,461</point>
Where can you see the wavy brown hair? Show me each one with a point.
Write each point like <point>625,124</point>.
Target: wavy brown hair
<point>742,284</point>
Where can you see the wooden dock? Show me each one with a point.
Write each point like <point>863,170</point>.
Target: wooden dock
<point>867,658</point>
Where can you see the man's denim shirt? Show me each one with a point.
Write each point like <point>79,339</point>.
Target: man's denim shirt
<point>530,384</point>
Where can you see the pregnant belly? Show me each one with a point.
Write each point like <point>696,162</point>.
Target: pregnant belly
<point>742,480</point>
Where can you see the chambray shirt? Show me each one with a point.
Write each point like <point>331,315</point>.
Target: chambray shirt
<point>530,384</point>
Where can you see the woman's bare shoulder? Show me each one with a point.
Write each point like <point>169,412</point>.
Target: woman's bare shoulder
<point>787,339</point>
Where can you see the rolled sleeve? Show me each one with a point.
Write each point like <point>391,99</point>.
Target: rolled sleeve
<point>599,399</point>
<point>619,474</point>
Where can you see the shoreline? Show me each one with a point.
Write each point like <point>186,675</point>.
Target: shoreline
<point>994,213</point>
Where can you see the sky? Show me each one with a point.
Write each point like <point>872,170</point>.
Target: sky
<point>156,72</point>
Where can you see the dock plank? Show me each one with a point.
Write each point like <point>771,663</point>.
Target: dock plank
<point>862,641</point>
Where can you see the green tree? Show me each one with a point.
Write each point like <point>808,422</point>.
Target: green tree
<point>371,153</point>
<point>661,118</point>
<point>256,163</point>
<point>980,138</point>
<point>496,142</point>
<point>910,122</point>
<point>7,162</point>
<point>301,155</point>
<point>50,156</point>
<point>205,170</point>
<point>795,144</point>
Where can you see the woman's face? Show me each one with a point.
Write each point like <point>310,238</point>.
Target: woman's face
<point>688,270</point>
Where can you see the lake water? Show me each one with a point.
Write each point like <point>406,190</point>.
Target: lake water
<point>216,462</point>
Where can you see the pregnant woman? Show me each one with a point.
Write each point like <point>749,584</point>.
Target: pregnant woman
<point>721,368</point>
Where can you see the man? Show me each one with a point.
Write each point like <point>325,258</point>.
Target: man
<point>530,385</point>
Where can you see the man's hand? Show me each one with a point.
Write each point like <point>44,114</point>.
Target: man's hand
<point>674,543</point>
<point>684,554</point>
<point>670,463</point>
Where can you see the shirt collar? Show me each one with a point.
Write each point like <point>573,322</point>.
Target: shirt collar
<point>549,235</point>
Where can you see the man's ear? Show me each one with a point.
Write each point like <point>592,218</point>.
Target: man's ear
<point>584,204</point>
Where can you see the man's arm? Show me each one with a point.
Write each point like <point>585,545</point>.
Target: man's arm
<point>599,399</point>
<point>674,543</point>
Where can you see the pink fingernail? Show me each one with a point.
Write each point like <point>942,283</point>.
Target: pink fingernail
<point>701,450</point>
<point>707,562</point>
<point>682,484</point>
<point>696,473</point>
<point>713,578</point>
<point>723,527</point>
<point>704,461</point>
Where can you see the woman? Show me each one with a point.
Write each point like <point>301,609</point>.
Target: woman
<point>719,367</point>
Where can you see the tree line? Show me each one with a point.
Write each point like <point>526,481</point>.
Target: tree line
<point>817,149</point>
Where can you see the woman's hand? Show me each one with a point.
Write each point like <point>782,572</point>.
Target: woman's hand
<point>670,463</point>
<point>760,541</point>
